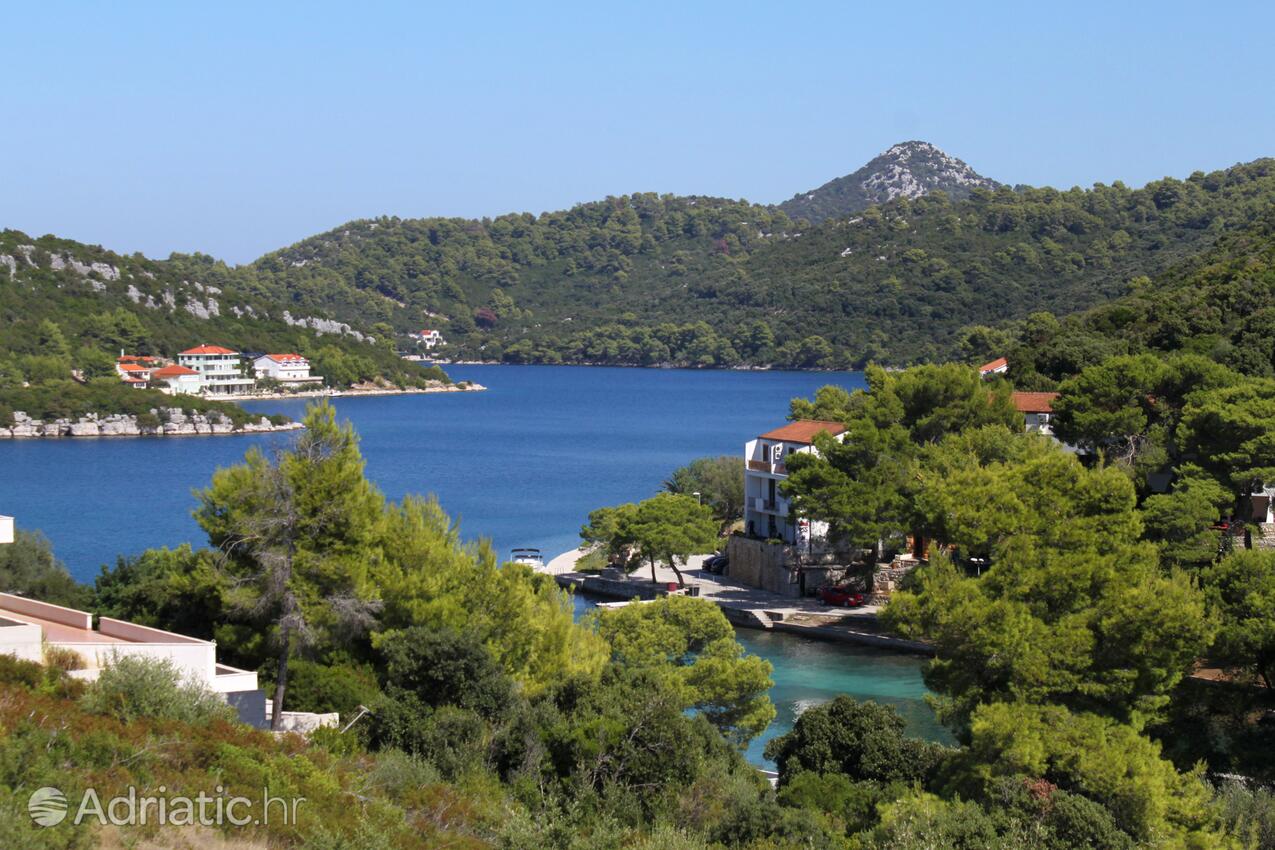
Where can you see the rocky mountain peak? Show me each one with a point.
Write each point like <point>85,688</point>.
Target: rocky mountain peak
<point>907,170</point>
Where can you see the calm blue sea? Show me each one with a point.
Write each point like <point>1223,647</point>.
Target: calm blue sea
<point>522,464</point>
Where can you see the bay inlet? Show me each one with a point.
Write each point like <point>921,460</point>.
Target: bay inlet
<point>521,464</point>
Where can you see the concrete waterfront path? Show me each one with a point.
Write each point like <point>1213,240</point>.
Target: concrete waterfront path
<point>744,606</point>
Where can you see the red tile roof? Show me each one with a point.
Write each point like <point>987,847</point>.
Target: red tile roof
<point>287,358</point>
<point>133,367</point>
<point>1034,402</point>
<point>998,363</point>
<point>804,431</point>
<point>172,372</point>
<point>209,349</point>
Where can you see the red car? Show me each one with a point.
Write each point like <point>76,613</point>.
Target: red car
<point>841,594</point>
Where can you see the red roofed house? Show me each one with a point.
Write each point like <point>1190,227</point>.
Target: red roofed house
<point>1037,408</point>
<point>178,379</point>
<point>999,366</point>
<point>134,374</point>
<point>219,368</point>
<point>285,368</point>
<point>767,512</point>
<point>428,337</point>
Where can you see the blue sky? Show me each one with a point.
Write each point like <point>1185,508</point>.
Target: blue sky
<point>234,129</point>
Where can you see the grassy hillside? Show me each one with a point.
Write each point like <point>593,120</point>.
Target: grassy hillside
<point>650,279</point>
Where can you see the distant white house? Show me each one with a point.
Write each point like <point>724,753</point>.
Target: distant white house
<point>6,529</point>
<point>767,512</point>
<point>176,379</point>
<point>134,374</point>
<point>428,337</point>
<point>220,368</point>
<point>999,366</point>
<point>135,369</point>
<point>285,368</point>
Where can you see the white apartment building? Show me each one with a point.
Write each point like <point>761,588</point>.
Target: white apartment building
<point>767,512</point>
<point>219,369</point>
<point>285,368</point>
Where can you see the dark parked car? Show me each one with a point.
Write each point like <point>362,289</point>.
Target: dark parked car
<point>715,564</point>
<point>841,594</point>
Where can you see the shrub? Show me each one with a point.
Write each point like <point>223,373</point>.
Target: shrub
<point>16,671</point>
<point>131,688</point>
<point>61,658</point>
<point>446,667</point>
<point>863,740</point>
<point>320,687</point>
<point>1249,812</point>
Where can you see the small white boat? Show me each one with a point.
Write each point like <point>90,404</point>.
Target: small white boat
<point>530,557</point>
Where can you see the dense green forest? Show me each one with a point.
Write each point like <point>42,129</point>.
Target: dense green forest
<point>68,308</point>
<point>1219,304</point>
<point>648,279</point>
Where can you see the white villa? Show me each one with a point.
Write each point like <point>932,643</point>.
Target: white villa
<point>428,338</point>
<point>767,513</point>
<point>285,368</point>
<point>177,379</point>
<point>219,369</point>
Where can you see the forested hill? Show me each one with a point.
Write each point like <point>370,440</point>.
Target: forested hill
<point>906,170</point>
<point>647,279</point>
<point>69,307</point>
<point>1220,304</point>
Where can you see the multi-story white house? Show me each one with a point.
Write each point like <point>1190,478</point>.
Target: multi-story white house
<point>285,368</point>
<point>767,513</point>
<point>428,337</point>
<point>219,368</point>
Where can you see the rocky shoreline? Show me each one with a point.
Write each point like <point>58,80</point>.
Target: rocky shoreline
<point>165,422</point>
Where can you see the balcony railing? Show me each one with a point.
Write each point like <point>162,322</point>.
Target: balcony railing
<point>763,466</point>
<point>770,506</point>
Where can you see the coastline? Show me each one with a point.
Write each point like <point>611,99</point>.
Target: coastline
<point>354,392</point>
<point>745,607</point>
<point>179,424</point>
<point>176,424</point>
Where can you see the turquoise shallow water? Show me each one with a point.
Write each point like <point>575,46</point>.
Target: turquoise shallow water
<point>811,672</point>
<point>521,464</point>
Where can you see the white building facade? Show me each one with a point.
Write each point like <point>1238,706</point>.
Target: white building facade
<point>176,379</point>
<point>429,338</point>
<point>220,369</point>
<point>285,368</point>
<point>768,514</point>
